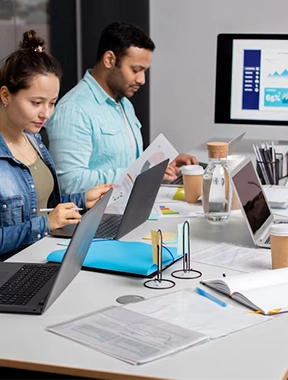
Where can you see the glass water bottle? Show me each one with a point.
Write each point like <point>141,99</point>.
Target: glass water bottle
<point>217,185</point>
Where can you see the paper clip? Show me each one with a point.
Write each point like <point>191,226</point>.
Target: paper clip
<point>159,282</point>
<point>187,272</point>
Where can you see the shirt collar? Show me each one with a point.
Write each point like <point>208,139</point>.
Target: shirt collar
<point>101,95</point>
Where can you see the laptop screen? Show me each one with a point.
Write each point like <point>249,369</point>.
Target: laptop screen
<point>251,196</point>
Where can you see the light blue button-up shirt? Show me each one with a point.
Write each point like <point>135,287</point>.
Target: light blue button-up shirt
<point>88,139</point>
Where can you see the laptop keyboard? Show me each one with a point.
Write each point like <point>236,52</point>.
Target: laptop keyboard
<point>109,226</point>
<point>25,283</point>
<point>177,181</point>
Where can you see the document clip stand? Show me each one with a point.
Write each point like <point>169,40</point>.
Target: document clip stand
<point>187,272</point>
<point>159,282</point>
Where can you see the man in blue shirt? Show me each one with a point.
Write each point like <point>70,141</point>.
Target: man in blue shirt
<point>94,134</point>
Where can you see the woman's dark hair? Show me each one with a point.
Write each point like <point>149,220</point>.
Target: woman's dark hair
<point>26,62</point>
<point>119,36</point>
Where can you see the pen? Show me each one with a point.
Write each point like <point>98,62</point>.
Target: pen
<point>51,209</point>
<point>210,297</point>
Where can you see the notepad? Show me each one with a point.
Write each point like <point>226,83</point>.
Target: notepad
<point>134,258</point>
<point>262,291</point>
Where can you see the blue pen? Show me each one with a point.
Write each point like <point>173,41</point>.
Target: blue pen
<point>210,297</point>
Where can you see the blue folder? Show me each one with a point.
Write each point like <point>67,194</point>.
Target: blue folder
<point>134,258</point>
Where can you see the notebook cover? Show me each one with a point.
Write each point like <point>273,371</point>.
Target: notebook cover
<point>122,257</point>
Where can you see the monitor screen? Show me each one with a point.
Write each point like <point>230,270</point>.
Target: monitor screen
<point>252,79</point>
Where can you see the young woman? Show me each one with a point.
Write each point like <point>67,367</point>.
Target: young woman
<point>29,87</point>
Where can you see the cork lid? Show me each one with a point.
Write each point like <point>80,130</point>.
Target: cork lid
<point>217,149</point>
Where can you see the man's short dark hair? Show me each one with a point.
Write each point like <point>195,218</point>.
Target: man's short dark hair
<point>119,36</point>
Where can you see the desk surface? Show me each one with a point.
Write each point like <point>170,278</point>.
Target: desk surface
<point>255,353</point>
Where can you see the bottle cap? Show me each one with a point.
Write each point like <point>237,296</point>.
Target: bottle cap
<point>217,149</point>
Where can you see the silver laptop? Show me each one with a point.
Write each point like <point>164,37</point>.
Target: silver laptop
<point>27,288</point>
<point>253,202</point>
<point>231,150</point>
<point>233,143</point>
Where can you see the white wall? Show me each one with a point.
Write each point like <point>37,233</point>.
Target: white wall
<point>183,69</point>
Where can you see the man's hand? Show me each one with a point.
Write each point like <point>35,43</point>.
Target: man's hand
<point>173,170</point>
<point>184,159</point>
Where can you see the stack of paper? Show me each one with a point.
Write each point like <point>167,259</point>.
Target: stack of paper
<point>277,196</point>
<point>141,332</point>
<point>127,335</point>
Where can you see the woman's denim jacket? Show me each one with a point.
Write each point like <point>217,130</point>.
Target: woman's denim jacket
<point>19,223</point>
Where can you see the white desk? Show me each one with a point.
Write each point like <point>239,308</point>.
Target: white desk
<point>256,353</point>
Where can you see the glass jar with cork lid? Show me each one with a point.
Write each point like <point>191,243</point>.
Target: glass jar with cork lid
<point>217,185</point>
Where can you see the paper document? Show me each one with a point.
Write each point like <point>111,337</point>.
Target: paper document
<point>159,150</point>
<point>175,210</point>
<point>127,335</point>
<point>188,309</point>
<point>236,257</point>
<point>170,203</point>
<point>170,194</point>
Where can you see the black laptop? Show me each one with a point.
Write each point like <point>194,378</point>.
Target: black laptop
<point>137,210</point>
<point>31,288</point>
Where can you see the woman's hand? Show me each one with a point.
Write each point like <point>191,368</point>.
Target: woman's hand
<point>93,195</point>
<point>62,215</point>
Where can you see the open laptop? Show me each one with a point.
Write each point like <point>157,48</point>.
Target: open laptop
<point>31,288</point>
<point>137,210</point>
<point>231,150</point>
<point>253,203</point>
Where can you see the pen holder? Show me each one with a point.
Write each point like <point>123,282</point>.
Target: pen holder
<point>268,172</point>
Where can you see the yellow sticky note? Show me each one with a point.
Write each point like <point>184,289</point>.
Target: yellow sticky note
<point>167,237</point>
<point>156,241</point>
<point>274,311</point>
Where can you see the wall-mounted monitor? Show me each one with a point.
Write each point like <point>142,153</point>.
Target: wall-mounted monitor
<point>252,80</point>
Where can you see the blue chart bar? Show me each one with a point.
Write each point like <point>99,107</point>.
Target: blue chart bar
<point>251,80</point>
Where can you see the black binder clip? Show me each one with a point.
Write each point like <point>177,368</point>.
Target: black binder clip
<point>187,272</point>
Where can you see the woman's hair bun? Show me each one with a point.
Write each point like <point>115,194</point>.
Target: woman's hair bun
<point>31,40</point>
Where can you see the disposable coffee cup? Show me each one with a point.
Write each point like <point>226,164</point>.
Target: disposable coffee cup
<point>279,245</point>
<point>192,180</point>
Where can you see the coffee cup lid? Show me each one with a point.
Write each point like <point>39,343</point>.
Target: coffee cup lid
<point>279,230</point>
<point>192,169</point>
